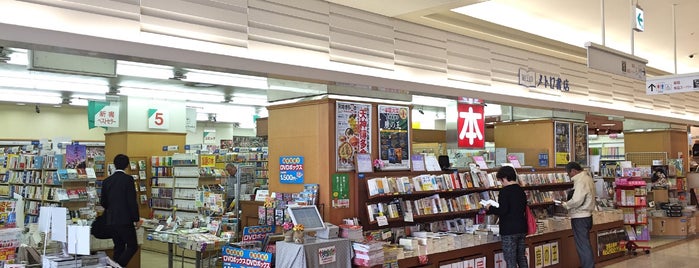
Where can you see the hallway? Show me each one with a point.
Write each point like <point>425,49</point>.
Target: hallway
<point>675,255</point>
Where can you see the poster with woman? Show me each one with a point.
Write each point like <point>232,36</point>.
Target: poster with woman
<point>562,142</point>
<point>352,133</point>
<point>394,139</point>
<point>580,144</point>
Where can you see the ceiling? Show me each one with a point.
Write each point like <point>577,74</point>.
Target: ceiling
<point>655,44</point>
<point>578,18</point>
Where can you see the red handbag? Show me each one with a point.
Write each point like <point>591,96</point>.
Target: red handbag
<point>531,221</point>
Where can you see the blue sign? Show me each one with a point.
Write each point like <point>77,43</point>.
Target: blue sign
<point>244,258</point>
<point>186,147</point>
<point>543,159</point>
<point>291,169</point>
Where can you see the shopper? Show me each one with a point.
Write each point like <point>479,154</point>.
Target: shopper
<point>121,210</point>
<point>580,207</point>
<point>230,187</point>
<point>512,219</point>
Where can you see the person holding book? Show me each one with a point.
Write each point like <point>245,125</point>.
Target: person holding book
<point>510,209</point>
<point>580,207</point>
<point>121,210</point>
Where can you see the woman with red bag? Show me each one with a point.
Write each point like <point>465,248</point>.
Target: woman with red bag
<point>512,219</point>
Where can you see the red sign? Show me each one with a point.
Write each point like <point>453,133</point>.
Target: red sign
<point>470,126</point>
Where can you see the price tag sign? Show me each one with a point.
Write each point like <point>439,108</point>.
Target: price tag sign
<point>382,220</point>
<point>291,169</point>
<point>158,119</point>
<point>408,217</point>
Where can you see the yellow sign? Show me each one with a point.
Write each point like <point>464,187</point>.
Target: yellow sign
<point>207,160</point>
<point>562,158</point>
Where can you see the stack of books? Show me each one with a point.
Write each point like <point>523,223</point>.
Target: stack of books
<point>368,253</point>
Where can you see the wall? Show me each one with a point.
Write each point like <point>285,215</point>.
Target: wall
<point>530,138</point>
<point>133,115</point>
<point>23,123</point>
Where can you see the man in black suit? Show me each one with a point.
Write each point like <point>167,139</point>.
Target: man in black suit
<point>121,210</point>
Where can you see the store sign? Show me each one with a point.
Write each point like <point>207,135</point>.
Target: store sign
<point>539,80</point>
<point>616,62</point>
<point>639,20</point>
<point>257,233</point>
<point>102,114</point>
<point>158,119</point>
<point>244,258</point>
<point>291,169</point>
<point>190,122</point>
<point>470,126</point>
<point>207,160</point>
<point>669,84</point>
<point>209,136</point>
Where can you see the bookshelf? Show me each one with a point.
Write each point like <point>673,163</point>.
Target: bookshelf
<point>256,157</point>
<point>406,198</point>
<point>631,199</point>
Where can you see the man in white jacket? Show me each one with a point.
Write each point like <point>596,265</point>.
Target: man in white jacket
<point>580,207</point>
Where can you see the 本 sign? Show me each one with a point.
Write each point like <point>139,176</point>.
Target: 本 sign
<point>158,118</point>
<point>291,169</point>
<point>470,126</point>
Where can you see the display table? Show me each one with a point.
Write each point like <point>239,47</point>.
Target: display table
<point>321,253</point>
<point>189,242</point>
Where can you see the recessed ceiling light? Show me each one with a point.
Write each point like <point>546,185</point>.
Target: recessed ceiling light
<point>21,104</point>
<point>608,124</point>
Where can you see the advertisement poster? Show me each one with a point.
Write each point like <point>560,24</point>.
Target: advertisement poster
<point>257,233</point>
<point>394,139</point>
<point>76,155</point>
<point>245,258</point>
<point>580,142</point>
<point>353,133</point>
<point>340,185</point>
<point>226,144</point>
<point>562,142</point>
<point>291,169</point>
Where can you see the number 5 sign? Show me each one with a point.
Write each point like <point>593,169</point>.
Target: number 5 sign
<point>158,118</point>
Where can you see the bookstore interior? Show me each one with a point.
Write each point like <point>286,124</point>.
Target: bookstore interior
<point>406,177</point>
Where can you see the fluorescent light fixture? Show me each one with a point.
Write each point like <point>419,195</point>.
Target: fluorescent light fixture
<point>431,101</point>
<point>227,113</point>
<point>190,95</point>
<point>78,102</point>
<point>18,57</point>
<point>225,79</point>
<point>363,99</point>
<point>23,96</point>
<point>33,82</point>
<point>130,68</point>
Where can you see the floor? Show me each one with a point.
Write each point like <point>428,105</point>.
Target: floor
<point>665,252</point>
<point>676,255</point>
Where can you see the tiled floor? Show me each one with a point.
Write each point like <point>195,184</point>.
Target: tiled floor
<point>673,255</point>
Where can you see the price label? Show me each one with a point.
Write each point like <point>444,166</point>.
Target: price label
<point>158,119</point>
<point>382,220</point>
<point>408,217</point>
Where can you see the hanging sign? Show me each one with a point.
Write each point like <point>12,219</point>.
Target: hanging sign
<point>672,84</point>
<point>470,125</point>
<point>209,136</point>
<point>158,118</point>
<point>639,20</point>
<point>102,114</point>
<point>291,169</point>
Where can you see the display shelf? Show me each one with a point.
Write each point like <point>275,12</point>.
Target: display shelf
<point>630,197</point>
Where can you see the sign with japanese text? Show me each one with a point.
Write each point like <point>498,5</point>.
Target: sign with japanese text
<point>470,125</point>
<point>340,194</point>
<point>669,84</point>
<point>158,119</point>
<point>291,169</point>
<point>209,136</point>
<point>327,255</point>
<point>257,233</point>
<point>605,59</point>
<point>540,80</point>
<point>394,138</point>
<point>207,160</point>
<point>245,258</point>
<point>102,114</point>
<point>352,132</point>
<point>190,122</point>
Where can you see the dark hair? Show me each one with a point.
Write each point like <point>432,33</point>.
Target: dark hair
<point>121,161</point>
<point>573,165</point>
<point>507,172</point>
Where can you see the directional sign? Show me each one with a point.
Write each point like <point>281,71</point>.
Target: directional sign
<point>639,20</point>
<point>672,84</point>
